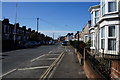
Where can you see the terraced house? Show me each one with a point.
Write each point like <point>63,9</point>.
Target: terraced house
<point>105,27</point>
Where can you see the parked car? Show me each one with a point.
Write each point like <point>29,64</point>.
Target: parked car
<point>51,42</point>
<point>64,43</point>
<point>42,42</point>
<point>33,43</point>
<point>46,42</point>
<point>23,44</point>
<point>29,44</point>
<point>39,43</point>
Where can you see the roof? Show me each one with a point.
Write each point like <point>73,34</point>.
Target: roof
<point>94,7</point>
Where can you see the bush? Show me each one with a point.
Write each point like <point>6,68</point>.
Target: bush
<point>88,44</point>
<point>80,47</point>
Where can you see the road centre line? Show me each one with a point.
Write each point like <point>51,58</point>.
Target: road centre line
<point>50,52</point>
<point>37,58</point>
<point>8,72</point>
<point>30,68</point>
<point>50,68</point>
<point>49,59</point>
<point>56,66</point>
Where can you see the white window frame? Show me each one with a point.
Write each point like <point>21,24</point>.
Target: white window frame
<point>108,7</point>
<point>103,4</point>
<point>113,37</point>
<point>98,16</point>
<point>85,38</point>
<point>108,32</point>
<point>92,18</point>
<point>92,39</point>
<point>102,38</point>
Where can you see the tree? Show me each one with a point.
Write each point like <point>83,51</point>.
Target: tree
<point>42,37</point>
<point>29,29</point>
<point>88,44</point>
<point>32,37</point>
<point>24,27</point>
<point>33,31</point>
<point>6,21</point>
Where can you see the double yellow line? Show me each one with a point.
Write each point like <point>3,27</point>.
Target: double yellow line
<point>51,67</point>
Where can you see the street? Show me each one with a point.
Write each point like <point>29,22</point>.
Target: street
<point>50,61</point>
<point>54,39</point>
<point>29,63</point>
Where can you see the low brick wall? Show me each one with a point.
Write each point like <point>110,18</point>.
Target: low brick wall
<point>92,72</point>
<point>115,69</point>
<point>89,70</point>
<point>80,58</point>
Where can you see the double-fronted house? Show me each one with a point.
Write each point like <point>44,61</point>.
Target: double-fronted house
<point>105,27</point>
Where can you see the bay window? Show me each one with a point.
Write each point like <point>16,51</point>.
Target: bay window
<point>112,5</point>
<point>92,18</point>
<point>96,16</point>
<point>103,38</point>
<point>111,31</point>
<point>91,39</point>
<point>108,6</point>
<point>111,44</point>
<point>111,38</point>
<point>103,7</point>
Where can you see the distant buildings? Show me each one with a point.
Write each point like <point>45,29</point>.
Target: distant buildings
<point>84,34</point>
<point>8,32</point>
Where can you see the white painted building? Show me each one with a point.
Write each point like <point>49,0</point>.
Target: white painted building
<point>105,27</point>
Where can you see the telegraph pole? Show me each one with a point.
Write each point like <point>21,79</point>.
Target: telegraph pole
<point>15,24</point>
<point>37,24</point>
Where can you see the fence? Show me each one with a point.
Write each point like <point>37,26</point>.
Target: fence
<point>99,64</point>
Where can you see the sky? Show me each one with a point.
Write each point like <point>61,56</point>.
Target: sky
<point>55,17</point>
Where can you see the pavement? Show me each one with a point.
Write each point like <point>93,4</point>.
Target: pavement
<point>69,67</point>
